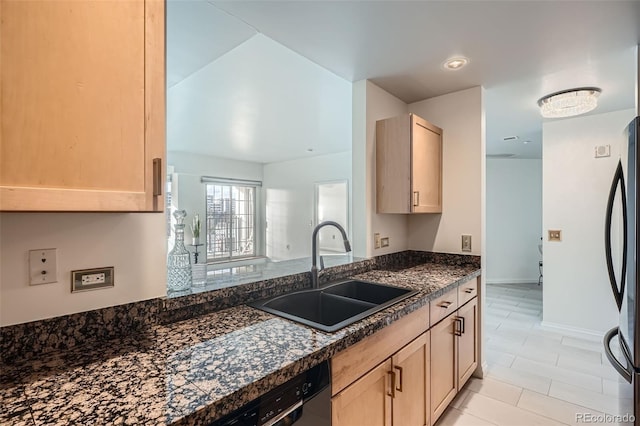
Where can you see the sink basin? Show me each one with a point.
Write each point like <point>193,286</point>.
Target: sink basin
<point>335,306</point>
<point>366,291</point>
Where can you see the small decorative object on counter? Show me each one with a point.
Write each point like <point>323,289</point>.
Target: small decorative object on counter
<point>195,230</point>
<point>199,274</point>
<point>179,258</point>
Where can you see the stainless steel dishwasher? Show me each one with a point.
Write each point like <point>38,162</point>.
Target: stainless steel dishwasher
<point>304,400</point>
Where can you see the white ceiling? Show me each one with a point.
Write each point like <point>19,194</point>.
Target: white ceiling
<point>519,50</point>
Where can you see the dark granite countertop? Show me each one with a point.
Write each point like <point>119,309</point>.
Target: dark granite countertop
<point>194,371</point>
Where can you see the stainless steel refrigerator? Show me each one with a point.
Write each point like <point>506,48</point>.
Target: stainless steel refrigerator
<point>622,343</point>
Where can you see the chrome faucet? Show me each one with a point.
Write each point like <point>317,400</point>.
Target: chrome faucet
<point>314,248</point>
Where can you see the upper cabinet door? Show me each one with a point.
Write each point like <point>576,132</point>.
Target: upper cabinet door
<point>426,166</point>
<point>408,165</point>
<point>83,106</point>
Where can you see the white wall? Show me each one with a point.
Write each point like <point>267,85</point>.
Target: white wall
<point>133,243</point>
<point>575,189</point>
<point>461,116</point>
<point>187,188</point>
<point>289,192</point>
<point>514,220</point>
<point>378,104</point>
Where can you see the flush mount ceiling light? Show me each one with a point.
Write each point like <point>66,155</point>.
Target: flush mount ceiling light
<point>569,103</point>
<point>456,63</point>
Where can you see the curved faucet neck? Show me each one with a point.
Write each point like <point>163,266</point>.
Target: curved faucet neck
<point>314,247</point>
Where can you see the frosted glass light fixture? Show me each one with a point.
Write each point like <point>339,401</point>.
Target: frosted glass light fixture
<point>569,103</point>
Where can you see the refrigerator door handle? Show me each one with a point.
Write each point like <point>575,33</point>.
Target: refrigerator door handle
<point>625,372</point>
<point>618,181</point>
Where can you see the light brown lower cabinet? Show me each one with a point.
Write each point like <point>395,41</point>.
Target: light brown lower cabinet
<point>443,365</point>
<point>396,392</point>
<point>467,341</point>
<point>366,401</point>
<point>454,355</point>
<point>407,374</point>
<point>410,394</point>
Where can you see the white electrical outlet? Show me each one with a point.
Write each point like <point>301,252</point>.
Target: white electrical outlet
<point>43,266</point>
<point>93,278</point>
<point>376,240</point>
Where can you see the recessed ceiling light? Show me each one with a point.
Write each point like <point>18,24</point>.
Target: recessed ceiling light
<point>456,63</point>
<point>569,103</point>
<point>526,142</point>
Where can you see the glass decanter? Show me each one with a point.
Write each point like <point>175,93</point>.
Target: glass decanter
<point>179,258</point>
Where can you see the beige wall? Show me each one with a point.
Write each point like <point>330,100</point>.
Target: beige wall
<point>134,243</point>
<point>460,115</point>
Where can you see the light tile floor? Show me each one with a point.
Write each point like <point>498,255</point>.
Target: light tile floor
<point>535,376</point>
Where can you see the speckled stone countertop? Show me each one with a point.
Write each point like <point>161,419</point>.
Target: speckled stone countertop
<point>194,371</point>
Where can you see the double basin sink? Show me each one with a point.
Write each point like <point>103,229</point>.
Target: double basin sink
<point>335,306</point>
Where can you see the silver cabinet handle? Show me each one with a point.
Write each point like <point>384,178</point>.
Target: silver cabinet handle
<point>445,304</point>
<point>469,290</point>
<point>416,198</point>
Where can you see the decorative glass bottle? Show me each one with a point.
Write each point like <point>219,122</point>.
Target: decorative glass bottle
<point>179,259</point>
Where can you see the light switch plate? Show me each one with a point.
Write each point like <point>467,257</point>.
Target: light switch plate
<point>384,242</point>
<point>43,266</point>
<point>376,240</point>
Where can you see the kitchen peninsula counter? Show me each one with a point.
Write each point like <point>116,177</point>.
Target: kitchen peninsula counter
<point>195,371</point>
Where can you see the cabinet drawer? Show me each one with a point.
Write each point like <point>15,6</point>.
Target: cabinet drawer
<point>354,362</point>
<point>467,291</point>
<point>443,306</point>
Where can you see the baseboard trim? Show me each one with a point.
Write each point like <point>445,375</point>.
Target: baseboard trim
<point>513,281</point>
<point>571,330</point>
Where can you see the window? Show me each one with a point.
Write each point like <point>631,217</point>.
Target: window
<point>230,220</point>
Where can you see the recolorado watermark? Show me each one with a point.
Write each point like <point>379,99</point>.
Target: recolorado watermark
<point>604,418</point>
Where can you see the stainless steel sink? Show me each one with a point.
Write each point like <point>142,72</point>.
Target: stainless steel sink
<point>335,306</point>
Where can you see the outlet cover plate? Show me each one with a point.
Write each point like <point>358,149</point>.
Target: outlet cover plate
<point>466,242</point>
<point>384,242</point>
<point>91,279</point>
<point>376,240</point>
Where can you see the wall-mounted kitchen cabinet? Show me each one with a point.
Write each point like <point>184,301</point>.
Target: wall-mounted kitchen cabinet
<point>83,105</point>
<point>408,165</point>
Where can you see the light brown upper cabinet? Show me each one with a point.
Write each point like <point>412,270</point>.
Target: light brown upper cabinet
<point>83,105</point>
<point>408,165</point>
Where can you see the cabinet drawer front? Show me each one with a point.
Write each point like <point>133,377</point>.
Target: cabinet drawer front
<point>467,291</point>
<point>355,361</point>
<point>443,306</point>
